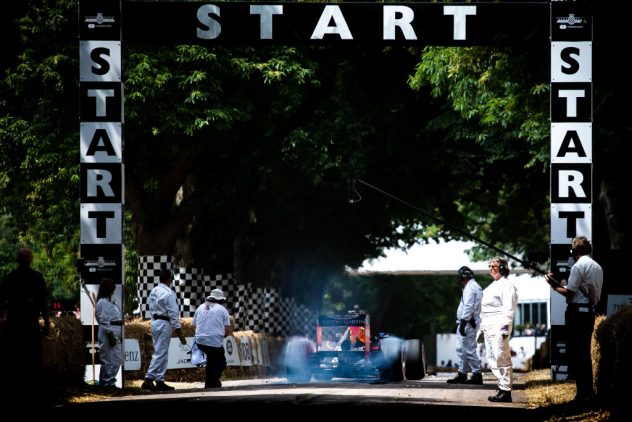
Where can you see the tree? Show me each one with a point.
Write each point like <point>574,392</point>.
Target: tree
<point>496,119</point>
<point>38,143</point>
<point>8,246</point>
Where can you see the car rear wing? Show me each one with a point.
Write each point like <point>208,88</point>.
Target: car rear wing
<point>343,320</point>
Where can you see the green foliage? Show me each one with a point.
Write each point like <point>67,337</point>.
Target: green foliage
<point>496,128</point>
<point>8,245</point>
<point>131,269</point>
<point>50,257</point>
<point>39,137</point>
<point>55,257</point>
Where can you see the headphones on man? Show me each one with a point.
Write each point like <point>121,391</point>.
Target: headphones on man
<point>465,273</point>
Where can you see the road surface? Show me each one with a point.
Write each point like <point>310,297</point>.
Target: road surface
<point>430,397</point>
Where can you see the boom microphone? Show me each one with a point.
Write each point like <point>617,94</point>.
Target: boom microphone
<point>528,265</point>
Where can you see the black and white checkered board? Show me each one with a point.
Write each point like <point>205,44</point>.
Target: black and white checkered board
<point>257,309</point>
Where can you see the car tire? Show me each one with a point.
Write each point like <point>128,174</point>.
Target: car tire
<point>414,360</point>
<point>390,369</point>
<point>298,353</point>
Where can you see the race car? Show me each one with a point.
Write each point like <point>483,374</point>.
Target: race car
<point>345,348</point>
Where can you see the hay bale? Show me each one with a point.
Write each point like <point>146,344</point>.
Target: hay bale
<point>263,362</point>
<point>598,350</point>
<point>140,330</point>
<point>613,337</point>
<point>542,357</point>
<point>64,351</point>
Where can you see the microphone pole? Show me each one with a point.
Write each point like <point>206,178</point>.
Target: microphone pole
<point>525,264</point>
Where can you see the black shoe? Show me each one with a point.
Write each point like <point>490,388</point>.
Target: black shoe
<point>109,387</point>
<point>501,396</point>
<point>148,385</point>
<point>477,379</point>
<point>161,386</point>
<point>459,379</point>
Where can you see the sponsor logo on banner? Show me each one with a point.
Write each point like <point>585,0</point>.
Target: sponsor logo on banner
<point>180,354</point>
<point>244,348</point>
<point>132,355</point>
<point>231,351</point>
<point>616,302</point>
<point>99,21</point>
<point>571,21</point>
<point>99,264</point>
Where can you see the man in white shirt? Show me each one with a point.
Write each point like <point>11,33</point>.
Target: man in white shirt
<point>212,324</point>
<point>582,293</point>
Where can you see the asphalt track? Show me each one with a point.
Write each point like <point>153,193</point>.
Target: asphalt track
<point>429,397</point>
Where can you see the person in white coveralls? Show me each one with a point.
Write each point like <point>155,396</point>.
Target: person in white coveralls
<point>110,319</point>
<point>165,317</point>
<point>468,320</point>
<point>498,307</point>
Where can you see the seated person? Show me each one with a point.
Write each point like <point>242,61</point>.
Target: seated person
<point>345,342</point>
<point>358,344</point>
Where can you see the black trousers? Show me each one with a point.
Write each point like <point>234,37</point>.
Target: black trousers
<point>580,323</point>
<point>27,338</point>
<point>215,365</point>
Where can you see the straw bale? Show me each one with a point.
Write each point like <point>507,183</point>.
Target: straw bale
<point>542,357</point>
<point>64,351</point>
<point>140,330</point>
<point>597,349</point>
<point>613,336</point>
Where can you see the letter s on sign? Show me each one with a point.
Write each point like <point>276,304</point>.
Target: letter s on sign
<point>213,26</point>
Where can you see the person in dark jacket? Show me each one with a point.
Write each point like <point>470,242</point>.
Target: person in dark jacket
<point>23,302</point>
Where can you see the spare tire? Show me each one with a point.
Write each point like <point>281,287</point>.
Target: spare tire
<point>414,359</point>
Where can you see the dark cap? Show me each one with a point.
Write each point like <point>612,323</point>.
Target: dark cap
<point>465,273</point>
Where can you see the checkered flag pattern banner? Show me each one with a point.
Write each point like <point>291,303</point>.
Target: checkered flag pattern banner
<point>149,267</point>
<point>254,308</point>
